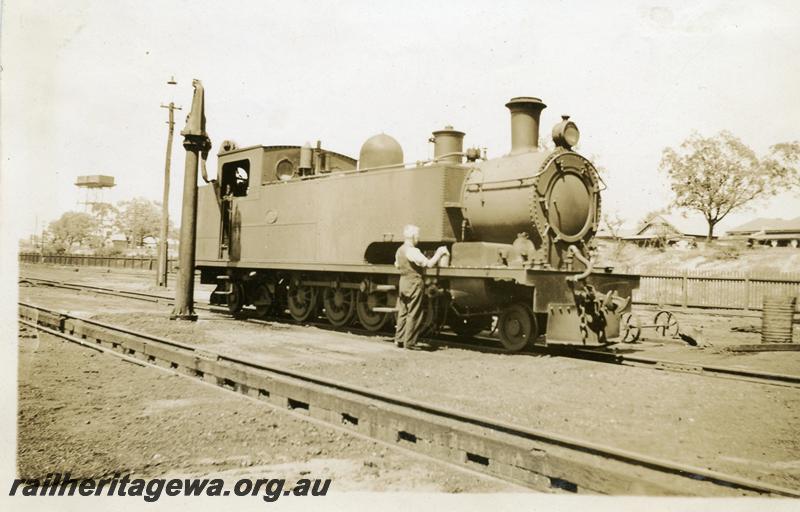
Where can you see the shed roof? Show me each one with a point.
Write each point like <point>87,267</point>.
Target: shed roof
<point>767,225</point>
<point>775,236</point>
<point>683,223</point>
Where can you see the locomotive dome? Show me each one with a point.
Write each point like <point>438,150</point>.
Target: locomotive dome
<point>380,151</point>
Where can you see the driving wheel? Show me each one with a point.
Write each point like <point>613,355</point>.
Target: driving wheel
<point>264,301</point>
<point>340,305</point>
<point>302,302</point>
<point>371,320</point>
<point>235,297</point>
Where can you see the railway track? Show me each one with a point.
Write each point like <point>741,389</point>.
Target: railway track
<point>490,345</point>
<point>534,458</point>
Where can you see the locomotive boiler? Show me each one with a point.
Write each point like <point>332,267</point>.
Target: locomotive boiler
<point>314,232</point>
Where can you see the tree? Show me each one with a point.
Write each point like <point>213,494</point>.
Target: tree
<point>71,228</point>
<point>784,162</point>
<point>613,224</point>
<point>717,175</point>
<point>106,215</point>
<point>602,171</point>
<point>104,212</point>
<point>138,218</point>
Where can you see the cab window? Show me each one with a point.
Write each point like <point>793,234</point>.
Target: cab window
<point>235,178</point>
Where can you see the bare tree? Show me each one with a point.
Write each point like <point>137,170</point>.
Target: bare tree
<point>613,224</point>
<point>716,175</point>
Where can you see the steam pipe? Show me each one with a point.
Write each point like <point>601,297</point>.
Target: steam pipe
<point>587,262</point>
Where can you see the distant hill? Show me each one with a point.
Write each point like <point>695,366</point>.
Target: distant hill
<point>717,257</point>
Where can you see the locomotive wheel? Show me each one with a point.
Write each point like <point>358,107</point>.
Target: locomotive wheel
<point>431,319</point>
<point>302,302</point>
<point>371,320</point>
<point>516,327</point>
<point>236,297</point>
<point>470,326</point>
<point>264,301</point>
<point>340,305</point>
<point>263,312</point>
<point>629,328</point>
<point>666,323</point>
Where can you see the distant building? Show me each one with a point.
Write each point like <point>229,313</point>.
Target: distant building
<point>774,232</point>
<point>603,233</point>
<point>668,229</point>
<point>119,241</point>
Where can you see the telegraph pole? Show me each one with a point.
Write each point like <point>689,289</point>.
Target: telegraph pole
<point>196,143</point>
<point>163,244</point>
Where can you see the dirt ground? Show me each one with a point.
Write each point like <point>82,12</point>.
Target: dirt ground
<point>737,427</point>
<point>93,414</point>
<point>718,331</point>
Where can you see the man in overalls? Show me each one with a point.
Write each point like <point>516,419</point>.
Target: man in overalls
<point>411,262</point>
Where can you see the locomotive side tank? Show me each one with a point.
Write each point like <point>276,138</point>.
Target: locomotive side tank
<point>314,232</point>
<point>322,218</point>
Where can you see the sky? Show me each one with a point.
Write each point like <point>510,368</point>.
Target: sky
<point>83,82</point>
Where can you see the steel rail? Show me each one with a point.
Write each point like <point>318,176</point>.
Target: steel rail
<point>451,340</point>
<point>228,372</point>
<point>706,370</point>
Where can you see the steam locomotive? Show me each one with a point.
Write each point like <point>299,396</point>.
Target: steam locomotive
<point>314,232</point>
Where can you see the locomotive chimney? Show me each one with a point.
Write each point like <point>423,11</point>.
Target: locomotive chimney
<point>525,112</point>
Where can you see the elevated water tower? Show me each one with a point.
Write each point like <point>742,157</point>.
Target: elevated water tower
<point>94,187</point>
